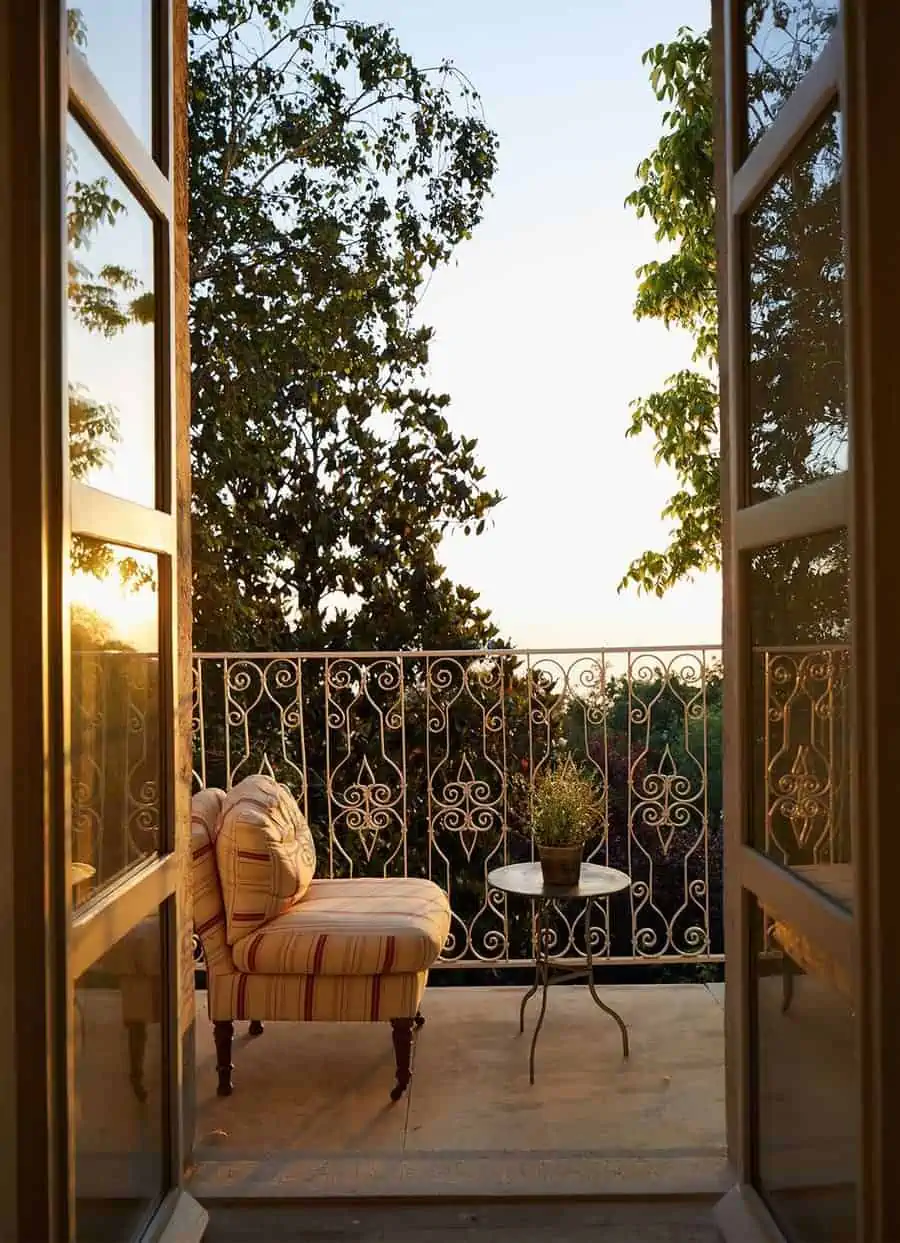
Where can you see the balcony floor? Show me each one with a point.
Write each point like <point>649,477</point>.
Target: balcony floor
<point>310,1114</point>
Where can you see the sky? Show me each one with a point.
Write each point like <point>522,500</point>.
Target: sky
<point>535,338</point>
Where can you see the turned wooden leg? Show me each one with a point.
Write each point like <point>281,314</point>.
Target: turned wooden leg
<point>419,1019</point>
<point>223,1033</point>
<point>402,1031</point>
<point>256,1027</point>
<point>137,1045</point>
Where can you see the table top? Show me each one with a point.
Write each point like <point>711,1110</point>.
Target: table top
<point>528,879</point>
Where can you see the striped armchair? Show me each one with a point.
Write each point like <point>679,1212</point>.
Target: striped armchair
<point>346,951</point>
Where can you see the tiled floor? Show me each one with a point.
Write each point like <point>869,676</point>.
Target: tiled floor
<point>310,1114</point>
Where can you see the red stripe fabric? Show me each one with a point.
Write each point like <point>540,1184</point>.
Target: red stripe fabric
<point>241,997</point>
<point>389,953</point>
<point>376,998</point>
<point>319,953</point>
<point>251,953</point>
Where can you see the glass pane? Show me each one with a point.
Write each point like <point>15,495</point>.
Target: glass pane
<point>783,39</point>
<point>115,712</point>
<point>111,339</point>
<point>796,383</point>
<point>120,1079</point>
<point>807,1085</point>
<point>117,42</point>
<point>801,697</point>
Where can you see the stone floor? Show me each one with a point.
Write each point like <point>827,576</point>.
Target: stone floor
<point>310,1114</point>
<point>507,1222</point>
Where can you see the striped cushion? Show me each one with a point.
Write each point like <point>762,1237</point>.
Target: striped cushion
<point>317,998</point>
<point>265,854</point>
<point>367,926</point>
<point>209,909</point>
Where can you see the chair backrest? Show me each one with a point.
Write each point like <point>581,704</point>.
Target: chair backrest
<point>209,909</point>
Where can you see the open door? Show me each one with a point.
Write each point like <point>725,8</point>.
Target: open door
<point>97,422</point>
<point>809,414</point>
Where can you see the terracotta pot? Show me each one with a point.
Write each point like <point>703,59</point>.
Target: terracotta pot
<point>561,865</point>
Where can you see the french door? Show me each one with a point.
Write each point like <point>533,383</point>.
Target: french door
<point>103,1003</point>
<point>804,88</point>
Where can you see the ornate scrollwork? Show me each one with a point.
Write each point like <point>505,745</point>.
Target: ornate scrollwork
<point>425,764</point>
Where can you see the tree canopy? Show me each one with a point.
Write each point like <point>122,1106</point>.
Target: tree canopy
<point>330,176</point>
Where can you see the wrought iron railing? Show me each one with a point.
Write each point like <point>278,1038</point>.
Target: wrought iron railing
<point>424,763</point>
<point>114,759</point>
<point>805,753</point>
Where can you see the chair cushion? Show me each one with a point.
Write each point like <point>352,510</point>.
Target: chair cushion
<point>316,998</point>
<point>209,909</point>
<point>368,926</point>
<point>265,854</point>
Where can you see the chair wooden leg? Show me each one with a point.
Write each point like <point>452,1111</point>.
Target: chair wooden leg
<point>137,1046</point>
<point>256,1027</point>
<point>402,1032</point>
<point>223,1033</point>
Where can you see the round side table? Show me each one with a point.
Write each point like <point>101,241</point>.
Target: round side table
<point>527,881</point>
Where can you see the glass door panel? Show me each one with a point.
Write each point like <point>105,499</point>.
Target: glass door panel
<point>807,1083</point>
<point>796,401</point>
<point>115,704</point>
<point>111,344</point>
<point>798,597</point>
<point>782,39</point>
<point>789,638</point>
<point>116,39</point>
<point>120,1088</point>
<point>124,858</point>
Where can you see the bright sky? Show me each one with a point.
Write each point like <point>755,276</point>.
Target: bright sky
<point>536,342</point>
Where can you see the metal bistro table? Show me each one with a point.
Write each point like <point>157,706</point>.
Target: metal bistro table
<point>527,880</point>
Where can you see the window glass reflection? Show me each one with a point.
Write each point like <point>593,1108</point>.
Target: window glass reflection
<point>797,383</point>
<point>801,696</point>
<point>119,1080</point>
<point>807,1083</point>
<point>116,39</point>
<point>110,333</point>
<point>115,713</point>
<point>783,40</point>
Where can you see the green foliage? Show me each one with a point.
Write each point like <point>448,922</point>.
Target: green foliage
<point>567,806</point>
<point>676,193</point>
<point>330,176</point>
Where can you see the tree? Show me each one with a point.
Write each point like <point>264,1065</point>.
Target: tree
<point>795,341</point>
<point>330,177</point>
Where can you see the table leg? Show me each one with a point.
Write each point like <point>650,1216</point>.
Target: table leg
<point>535,927</point>
<point>543,965</point>
<point>590,975</point>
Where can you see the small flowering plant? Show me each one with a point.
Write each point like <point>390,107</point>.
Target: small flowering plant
<point>567,806</point>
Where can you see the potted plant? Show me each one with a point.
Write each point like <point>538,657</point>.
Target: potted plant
<point>566,808</point>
